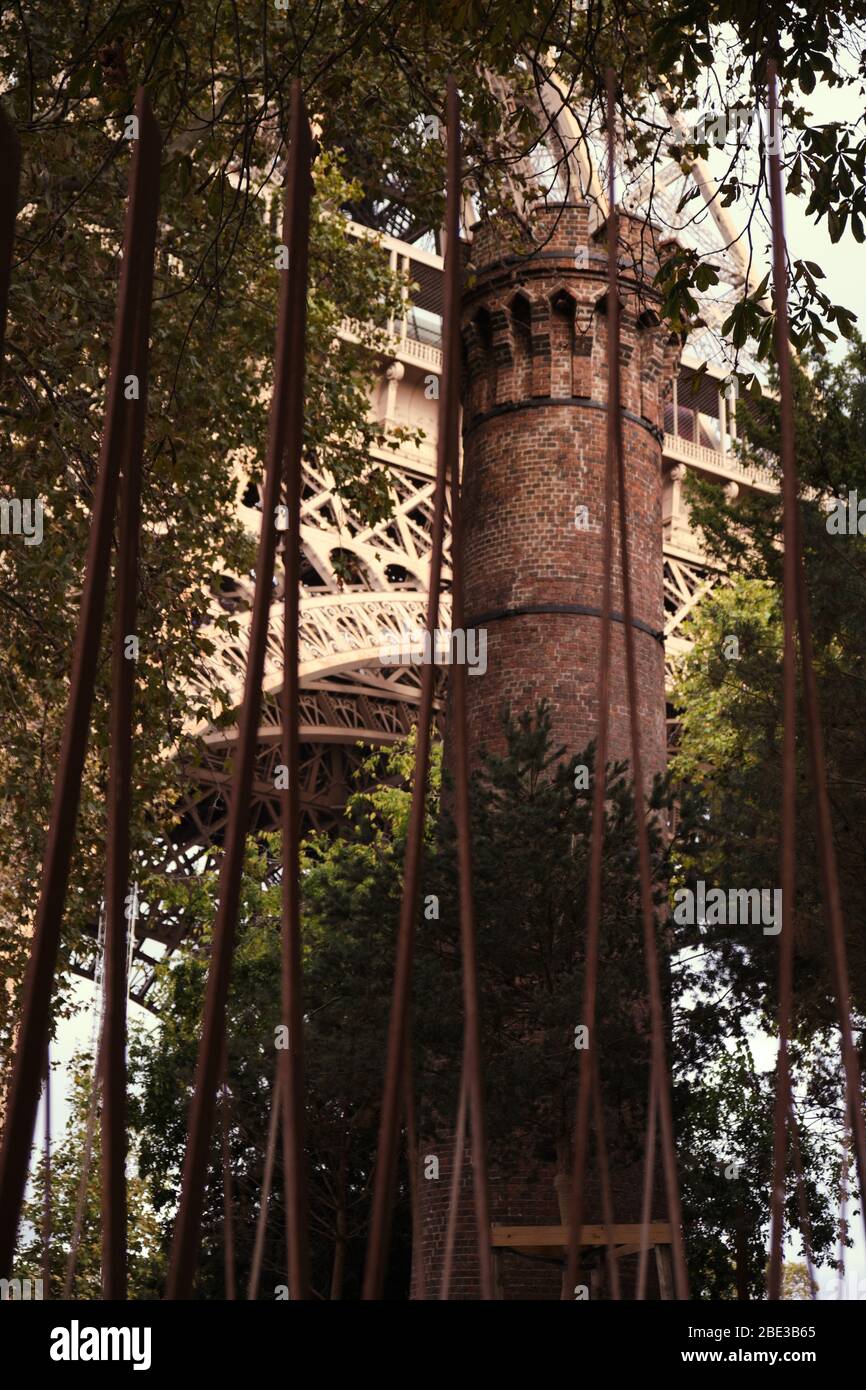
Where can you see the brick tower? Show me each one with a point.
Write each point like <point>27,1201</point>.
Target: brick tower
<point>535,445</point>
<point>534,454</point>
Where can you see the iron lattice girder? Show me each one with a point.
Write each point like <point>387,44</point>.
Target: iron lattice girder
<point>350,701</point>
<point>349,696</point>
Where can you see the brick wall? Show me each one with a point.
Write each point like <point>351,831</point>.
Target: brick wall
<point>535,444</point>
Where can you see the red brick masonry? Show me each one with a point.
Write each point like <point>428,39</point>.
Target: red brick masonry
<point>535,442</point>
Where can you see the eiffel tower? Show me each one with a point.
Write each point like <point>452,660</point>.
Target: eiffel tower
<point>363,585</point>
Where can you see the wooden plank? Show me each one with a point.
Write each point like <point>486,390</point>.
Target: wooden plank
<point>544,1237</point>
<point>666,1279</point>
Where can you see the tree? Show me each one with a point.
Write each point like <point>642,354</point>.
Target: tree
<point>531,820</point>
<point>374,79</point>
<point>724,1148</point>
<point>796,1283</point>
<point>530,836</point>
<point>730,747</point>
<point>729,753</point>
<point>67,1164</point>
<point>374,75</point>
<point>531,831</point>
<point>351,895</point>
<point>210,383</point>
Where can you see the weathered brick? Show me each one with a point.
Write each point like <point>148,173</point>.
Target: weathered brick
<point>535,450</point>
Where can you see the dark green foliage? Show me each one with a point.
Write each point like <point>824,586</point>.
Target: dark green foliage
<point>531,830</point>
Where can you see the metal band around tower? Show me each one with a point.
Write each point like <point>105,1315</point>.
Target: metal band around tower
<point>541,402</point>
<point>584,610</point>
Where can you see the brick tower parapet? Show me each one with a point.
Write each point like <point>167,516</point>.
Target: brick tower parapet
<point>535,337</point>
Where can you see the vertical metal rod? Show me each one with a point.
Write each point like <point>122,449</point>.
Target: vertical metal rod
<point>419,1274</point>
<point>36,1004</point>
<point>267,1183</point>
<point>843,1205</point>
<point>789,723</point>
<point>805,1224</point>
<point>604,1171</point>
<point>383,1182</point>
<point>454,1197</point>
<point>10,172</point>
<point>472,1068</point>
<point>659,1060</point>
<point>228,1191</point>
<point>46,1209</point>
<point>796,604</point>
<point>113,1070</point>
<point>648,1182</point>
<point>296,234</point>
<point>596,851</point>
<point>187,1237</point>
<point>83,1181</point>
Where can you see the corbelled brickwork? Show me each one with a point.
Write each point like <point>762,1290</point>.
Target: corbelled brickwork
<point>535,447</point>
<point>535,444</point>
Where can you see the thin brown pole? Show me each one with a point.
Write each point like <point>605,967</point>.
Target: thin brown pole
<point>659,1060</point>
<point>796,600</point>
<point>296,234</point>
<point>10,171</point>
<point>805,1224</point>
<point>471,1022</point>
<point>596,848</point>
<point>46,1209</point>
<point>789,725</point>
<point>843,1205</point>
<point>117,925</point>
<point>454,1196</point>
<point>659,1065</point>
<point>389,1124</point>
<point>187,1238</point>
<point>648,1182</point>
<point>267,1183</point>
<point>418,1271</point>
<point>604,1172</point>
<point>228,1191</point>
<point>116,441</point>
<point>83,1180</point>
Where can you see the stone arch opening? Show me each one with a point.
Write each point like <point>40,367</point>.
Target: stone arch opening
<point>521,321</point>
<point>563,310</point>
<point>482,322</point>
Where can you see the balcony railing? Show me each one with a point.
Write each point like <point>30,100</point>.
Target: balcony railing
<point>714,461</point>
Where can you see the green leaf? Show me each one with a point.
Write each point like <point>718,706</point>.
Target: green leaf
<point>835,223</point>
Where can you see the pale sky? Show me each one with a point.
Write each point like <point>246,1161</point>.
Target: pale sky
<point>844,263</point>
